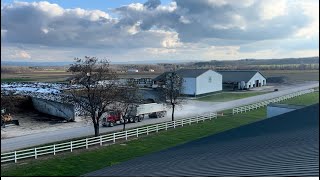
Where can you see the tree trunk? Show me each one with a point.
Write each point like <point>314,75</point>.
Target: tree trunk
<point>172,115</point>
<point>96,129</point>
<point>124,124</point>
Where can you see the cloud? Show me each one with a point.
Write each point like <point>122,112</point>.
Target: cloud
<point>181,29</point>
<point>49,24</point>
<point>20,55</point>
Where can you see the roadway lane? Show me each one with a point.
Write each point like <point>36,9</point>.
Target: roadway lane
<point>191,108</point>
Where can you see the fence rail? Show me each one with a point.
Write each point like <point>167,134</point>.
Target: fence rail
<point>53,149</point>
<point>250,107</point>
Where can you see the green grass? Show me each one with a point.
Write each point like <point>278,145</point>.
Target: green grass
<point>306,99</point>
<point>78,163</point>
<point>228,96</point>
<point>16,80</point>
<point>81,162</point>
<point>294,75</point>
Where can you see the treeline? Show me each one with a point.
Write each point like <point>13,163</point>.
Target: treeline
<point>15,69</point>
<point>271,67</point>
<point>310,63</point>
<point>140,67</point>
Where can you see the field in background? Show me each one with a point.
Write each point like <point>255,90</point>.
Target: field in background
<point>37,76</point>
<point>294,75</point>
<point>59,76</point>
<point>229,96</point>
<point>81,162</point>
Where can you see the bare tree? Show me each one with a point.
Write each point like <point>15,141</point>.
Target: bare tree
<point>171,91</point>
<point>98,87</point>
<point>129,99</point>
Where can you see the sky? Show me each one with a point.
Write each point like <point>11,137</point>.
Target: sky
<point>154,30</point>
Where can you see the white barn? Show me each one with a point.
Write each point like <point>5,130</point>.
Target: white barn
<point>196,81</point>
<point>243,79</point>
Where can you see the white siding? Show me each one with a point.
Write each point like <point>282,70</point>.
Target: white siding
<point>204,85</point>
<point>258,77</point>
<point>189,86</point>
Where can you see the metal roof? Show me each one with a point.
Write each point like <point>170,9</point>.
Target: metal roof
<point>237,76</point>
<point>284,145</point>
<point>185,73</point>
<point>289,106</point>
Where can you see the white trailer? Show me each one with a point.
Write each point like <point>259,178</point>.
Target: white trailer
<point>135,113</point>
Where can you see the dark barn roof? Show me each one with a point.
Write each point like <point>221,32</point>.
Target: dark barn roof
<point>237,76</point>
<point>284,145</point>
<point>185,73</point>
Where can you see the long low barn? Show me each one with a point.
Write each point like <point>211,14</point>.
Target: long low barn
<point>239,79</point>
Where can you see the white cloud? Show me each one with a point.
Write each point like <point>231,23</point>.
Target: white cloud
<point>20,55</point>
<point>182,29</point>
<point>273,8</point>
<point>311,10</point>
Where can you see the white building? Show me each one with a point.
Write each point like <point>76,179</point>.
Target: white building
<point>196,81</point>
<point>243,79</point>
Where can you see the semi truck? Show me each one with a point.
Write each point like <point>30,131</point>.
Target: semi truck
<point>135,113</point>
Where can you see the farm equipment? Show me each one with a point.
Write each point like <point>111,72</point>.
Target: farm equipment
<point>7,119</point>
<point>135,113</point>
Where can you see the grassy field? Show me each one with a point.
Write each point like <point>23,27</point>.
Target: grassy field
<point>294,75</point>
<point>58,76</point>
<point>228,96</point>
<point>38,76</point>
<point>25,79</point>
<point>306,99</point>
<point>81,162</point>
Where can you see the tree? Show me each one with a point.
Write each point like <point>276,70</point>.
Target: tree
<point>129,99</point>
<point>171,91</point>
<point>97,90</point>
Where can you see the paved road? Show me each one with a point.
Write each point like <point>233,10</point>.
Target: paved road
<point>192,108</point>
<point>284,145</point>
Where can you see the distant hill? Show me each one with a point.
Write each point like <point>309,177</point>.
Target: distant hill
<point>242,62</point>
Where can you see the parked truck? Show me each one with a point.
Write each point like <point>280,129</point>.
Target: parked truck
<point>135,113</point>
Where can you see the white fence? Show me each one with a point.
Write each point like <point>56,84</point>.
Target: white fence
<point>124,135</point>
<point>100,140</point>
<point>265,103</point>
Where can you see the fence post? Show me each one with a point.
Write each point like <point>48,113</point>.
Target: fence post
<point>100,140</point>
<point>114,137</point>
<point>126,135</point>
<point>197,118</point>
<point>54,149</point>
<point>182,122</point>
<point>71,146</point>
<point>15,156</point>
<point>86,143</point>
<point>147,130</point>
<point>174,124</point>
<point>157,127</point>
<point>166,126</point>
<point>35,153</point>
<point>137,132</point>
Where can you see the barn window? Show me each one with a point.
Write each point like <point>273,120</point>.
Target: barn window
<point>210,79</point>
